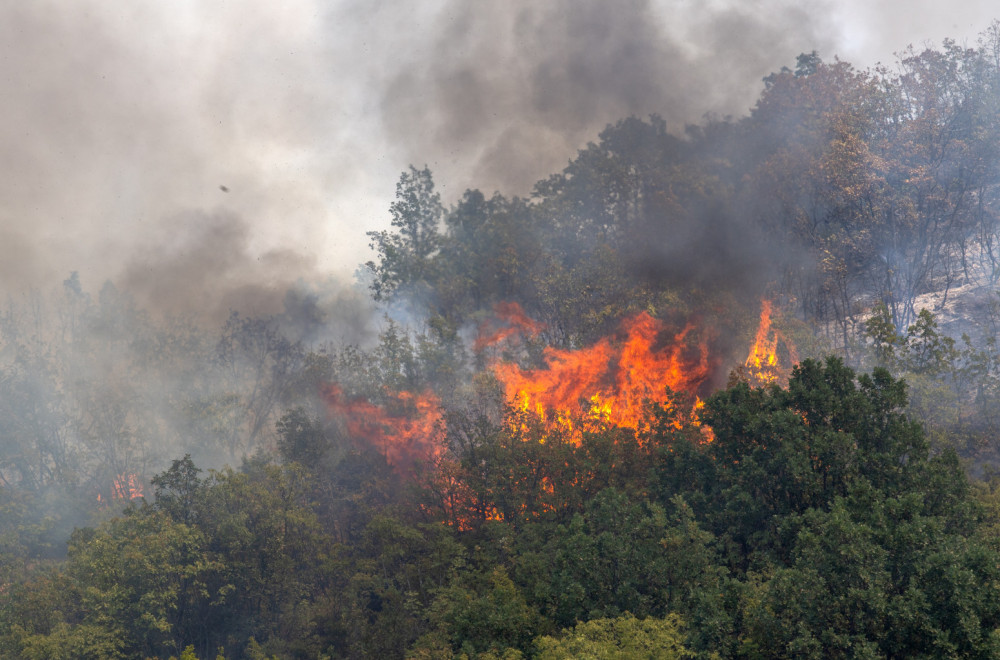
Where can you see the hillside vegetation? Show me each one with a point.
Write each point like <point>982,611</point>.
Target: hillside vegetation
<point>398,484</point>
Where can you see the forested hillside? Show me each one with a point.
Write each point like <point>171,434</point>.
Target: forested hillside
<point>680,401</point>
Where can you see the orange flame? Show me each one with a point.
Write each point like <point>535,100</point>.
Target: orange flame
<point>409,428</point>
<point>125,487</point>
<point>762,365</point>
<point>509,320</point>
<point>609,383</point>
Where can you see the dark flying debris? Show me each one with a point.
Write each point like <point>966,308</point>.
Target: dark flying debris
<point>223,189</point>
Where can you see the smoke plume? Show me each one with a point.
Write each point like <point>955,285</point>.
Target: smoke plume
<point>206,155</point>
<point>516,87</point>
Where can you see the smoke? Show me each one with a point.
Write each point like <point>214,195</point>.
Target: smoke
<point>127,128</point>
<point>206,155</point>
<point>197,259</point>
<point>874,31</point>
<point>514,88</point>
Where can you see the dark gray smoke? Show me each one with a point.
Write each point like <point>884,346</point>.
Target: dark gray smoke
<point>500,94</point>
<point>202,262</point>
<point>187,150</point>
<point>291,121</point>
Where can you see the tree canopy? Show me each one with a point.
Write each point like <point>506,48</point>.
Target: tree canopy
<point>387,496</point>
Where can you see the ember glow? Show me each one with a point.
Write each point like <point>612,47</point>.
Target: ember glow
<point>509,321</point>
<point>611,382</point>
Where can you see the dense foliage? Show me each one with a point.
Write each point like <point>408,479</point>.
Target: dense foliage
<point>816,523</point>
<point>829,517</point>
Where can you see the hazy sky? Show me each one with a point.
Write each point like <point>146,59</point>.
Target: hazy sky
<point>121,122</point>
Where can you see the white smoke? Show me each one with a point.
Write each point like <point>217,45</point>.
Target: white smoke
<point>287,123</point>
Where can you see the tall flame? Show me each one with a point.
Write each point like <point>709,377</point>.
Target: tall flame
<point>762,364</point>
<point>610,382</point>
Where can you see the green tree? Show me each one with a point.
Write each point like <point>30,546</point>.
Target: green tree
<point>620,638</point>
<point>490,252</point>
<point>844,534</point>
<point>178,491</point>
<point>405,256</point>
<point>389,581</point>
<point>617,556</point>
<point>885,342</point>
<point>880,576</point>
<point>489,617</point>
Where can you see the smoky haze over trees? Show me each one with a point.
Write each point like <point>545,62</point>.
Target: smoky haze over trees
<point>830,516</point>
<point>842,187</point>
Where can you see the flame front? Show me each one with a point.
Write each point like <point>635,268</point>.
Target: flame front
<point>609,383</point>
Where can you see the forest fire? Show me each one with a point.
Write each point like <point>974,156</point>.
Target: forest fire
<point>407,429</point>
<point>125,487</point>
<point>763,365</point>
<point>610,382</point>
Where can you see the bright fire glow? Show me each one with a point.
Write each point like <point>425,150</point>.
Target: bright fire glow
<point>607,384</point>
<point>762,365</point>
<point>610,382</point>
